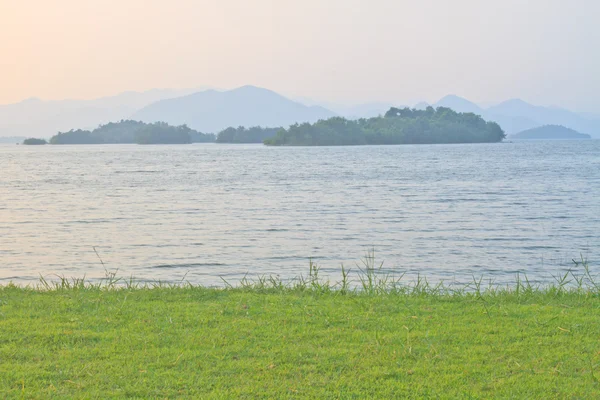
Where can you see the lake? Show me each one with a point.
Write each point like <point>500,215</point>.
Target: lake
<point>205,211</point>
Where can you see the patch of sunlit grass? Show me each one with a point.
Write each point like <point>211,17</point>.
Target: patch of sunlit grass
<point>370,337</point>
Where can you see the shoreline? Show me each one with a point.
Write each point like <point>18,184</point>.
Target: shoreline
<point>366,275</point>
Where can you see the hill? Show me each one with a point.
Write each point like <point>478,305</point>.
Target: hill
<point>459,104</point>
<point>516,115</point>
<point>213,111</point>
<point>352,111</point>
<point>366,110</point>
<point>41,118</point>
<point>522,116</point>
<point>550,132</point>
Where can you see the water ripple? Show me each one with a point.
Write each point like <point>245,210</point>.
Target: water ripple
<point>210,210</point>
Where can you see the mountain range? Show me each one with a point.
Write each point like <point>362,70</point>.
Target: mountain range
<point>516,115</point>
<point>39,118</point>
<point>210,111</point>
<point>213,111</point>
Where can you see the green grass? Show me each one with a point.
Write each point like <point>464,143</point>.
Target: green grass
<point>305,340</point>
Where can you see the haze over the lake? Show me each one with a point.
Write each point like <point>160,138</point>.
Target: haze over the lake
<point>543,51</point>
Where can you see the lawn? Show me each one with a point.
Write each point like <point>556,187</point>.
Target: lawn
<point>311,341</point>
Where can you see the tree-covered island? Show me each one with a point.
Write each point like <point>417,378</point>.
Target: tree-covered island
<point>34,142</point>
<point>128,131</point>
<point>397,126</point>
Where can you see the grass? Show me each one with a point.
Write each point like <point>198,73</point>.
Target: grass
<point>304,339</point>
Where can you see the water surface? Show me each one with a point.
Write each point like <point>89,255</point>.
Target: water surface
<point>208,211</point>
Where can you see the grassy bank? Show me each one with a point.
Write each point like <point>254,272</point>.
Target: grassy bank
<point>268,340</point>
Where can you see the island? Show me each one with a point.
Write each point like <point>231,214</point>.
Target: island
<point>550,132</point>
<point>34,142</point>
<point>128,131</point>
<point>397,126</point>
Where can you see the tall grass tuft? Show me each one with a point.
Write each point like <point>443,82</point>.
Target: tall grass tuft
<point>369,279</point>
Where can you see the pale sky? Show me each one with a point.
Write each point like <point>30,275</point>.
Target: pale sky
<point>544,51</point>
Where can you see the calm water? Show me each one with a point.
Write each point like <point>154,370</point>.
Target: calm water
<point>205,211</point>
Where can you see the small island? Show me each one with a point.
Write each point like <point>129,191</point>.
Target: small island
<point>34,142</point>
<point>550,132</point>
<point>397,126</point>
<point>127,131</point>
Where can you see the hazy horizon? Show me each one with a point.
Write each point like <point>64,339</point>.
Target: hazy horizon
<point>307,100</point>
<point>346,52</point>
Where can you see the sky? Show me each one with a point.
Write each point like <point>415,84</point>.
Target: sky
<point>346,51</point>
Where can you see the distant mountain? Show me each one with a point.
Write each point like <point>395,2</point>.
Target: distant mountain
<point>12,139</point>
<point>538,116</point>
<point>517,115</point>
<point>353,111</point>
<point>366,110</point>
<point>550,132</point>
<point>422,105</point>
<point>459,104</point>
<point>35,117</point>
<point>511,123</point>
<point>545,115</point>
<point>213,111</point>
<point>590,115</point>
